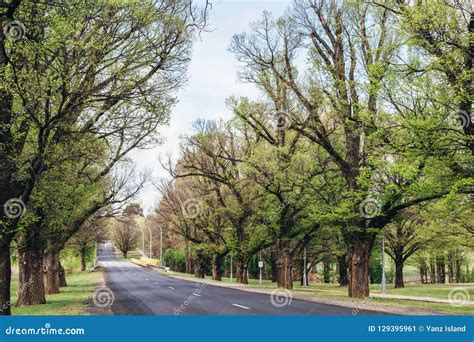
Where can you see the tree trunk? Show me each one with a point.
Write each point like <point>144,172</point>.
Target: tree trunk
<point>440,270</point>
<point>326,270</point>
<point>399,263</point>
<point>5,278</point>
<point>359,266</point>
<point>451,257</point>
<point>457,269</point>
<point>31,285</point>
<point>432,271</point>
<point>423,275</point>
<point>51,274</point>
<point>284,265</point>
<point>274,270</point>
<point>216,264</point>
<point>342,267</point>
<point>83,258</point>
<point>245,273</point>
<point>188,260</point>
<point>62,275</point>
<point>199,268</point>
<point>241,270</point>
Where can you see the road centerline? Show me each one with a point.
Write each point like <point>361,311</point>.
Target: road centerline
<point>241,306</point>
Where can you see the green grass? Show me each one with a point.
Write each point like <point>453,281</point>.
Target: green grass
<point>130,255</point>
<point>71,300</point>
<point>428,290</point>
<point>440,291</point>
<point>431,290</point>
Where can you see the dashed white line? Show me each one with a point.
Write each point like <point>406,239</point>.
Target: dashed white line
<point>241,306</point>
<point>157,283</point>
<point>171,287</point>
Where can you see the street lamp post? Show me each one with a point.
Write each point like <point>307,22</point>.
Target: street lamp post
<point>161,246</point>
<point>151,239</point>
<point>260,266</point>
<point>231,268</point>
<point>304,268</point>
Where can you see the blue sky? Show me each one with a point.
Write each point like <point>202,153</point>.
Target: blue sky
<point>212,79</point>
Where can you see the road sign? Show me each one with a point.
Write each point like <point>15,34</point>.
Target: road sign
<point>260,264</point>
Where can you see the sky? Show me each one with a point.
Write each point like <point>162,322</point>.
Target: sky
<point>212,78</point>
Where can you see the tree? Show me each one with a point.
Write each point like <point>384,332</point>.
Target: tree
<point>214,155</point>
<point>72,89</point>
<point>442,30</point>
<point>95,229</point>
<point>342,110</point>
<point>125,229</point>
<point>403,241</point>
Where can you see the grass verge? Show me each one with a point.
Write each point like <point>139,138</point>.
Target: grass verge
<point>71,301</point>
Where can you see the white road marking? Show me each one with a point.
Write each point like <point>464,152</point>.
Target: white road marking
<point>157,283</point>
<point>241,306</point>
<point>147,279</point>
<point>197,294</point>
<point>171,287</point>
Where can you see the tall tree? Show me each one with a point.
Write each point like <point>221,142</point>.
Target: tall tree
<point>342,111</point>
<point>76,82</point>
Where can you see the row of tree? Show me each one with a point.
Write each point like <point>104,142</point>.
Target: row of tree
<point>82,83</point>
<point>363,128</point>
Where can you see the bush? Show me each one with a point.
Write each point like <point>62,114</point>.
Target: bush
<point>175,260</point>
<point>375,267</point>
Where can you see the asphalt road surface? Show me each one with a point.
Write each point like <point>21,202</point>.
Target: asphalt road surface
<point>138,291</point>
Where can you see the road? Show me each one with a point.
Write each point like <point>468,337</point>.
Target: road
<point>138,291</point>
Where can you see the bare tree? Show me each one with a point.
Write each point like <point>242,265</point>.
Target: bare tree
<point>95,229</point>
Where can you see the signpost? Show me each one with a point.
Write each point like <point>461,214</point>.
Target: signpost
<point>231,268</point>
<point>260,266</point>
